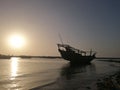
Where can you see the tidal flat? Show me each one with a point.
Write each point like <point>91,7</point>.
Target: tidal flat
<point>58,74</point>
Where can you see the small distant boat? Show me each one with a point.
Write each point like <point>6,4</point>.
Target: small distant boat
<point>75,55</point>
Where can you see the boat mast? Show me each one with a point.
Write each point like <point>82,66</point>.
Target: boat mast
<point>61,39</point>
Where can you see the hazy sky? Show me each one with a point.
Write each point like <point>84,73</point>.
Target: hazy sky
<point>84,24</point>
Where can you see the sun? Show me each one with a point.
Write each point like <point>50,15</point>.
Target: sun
<point>17,41</point>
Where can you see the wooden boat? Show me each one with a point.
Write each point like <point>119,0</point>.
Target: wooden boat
<point>75,55</point>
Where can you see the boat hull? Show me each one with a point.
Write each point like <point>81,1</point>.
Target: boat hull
<point>75,57</point>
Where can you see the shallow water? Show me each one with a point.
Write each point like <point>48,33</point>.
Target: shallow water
<point>52,74</point>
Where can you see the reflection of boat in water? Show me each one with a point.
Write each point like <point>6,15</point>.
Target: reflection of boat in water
<point>77,76</point>
<point>70,70</point>
<point>74,55</point>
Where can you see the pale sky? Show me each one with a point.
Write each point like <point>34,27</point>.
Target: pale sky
<point>84,24</point>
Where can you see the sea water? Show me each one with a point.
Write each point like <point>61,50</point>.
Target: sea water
<point>52,74</point>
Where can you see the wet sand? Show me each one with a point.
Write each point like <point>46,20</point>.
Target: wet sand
<point>71,79</point>
<point>111,82</point>
<point>58,74</point>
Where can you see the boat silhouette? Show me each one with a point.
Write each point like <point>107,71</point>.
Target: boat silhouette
<point>75,55</point>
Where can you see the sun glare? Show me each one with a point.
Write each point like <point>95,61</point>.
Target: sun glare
<point>17,41</point>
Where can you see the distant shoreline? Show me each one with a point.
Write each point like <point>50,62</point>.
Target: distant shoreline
<point>30,56</point>
<point>107,57</point>
<point>25,56</point>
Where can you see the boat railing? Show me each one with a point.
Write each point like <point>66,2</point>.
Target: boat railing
<point>88,53</point>
<point>66,47</point>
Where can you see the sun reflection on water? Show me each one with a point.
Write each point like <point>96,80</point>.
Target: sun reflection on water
<point>14,67</point>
